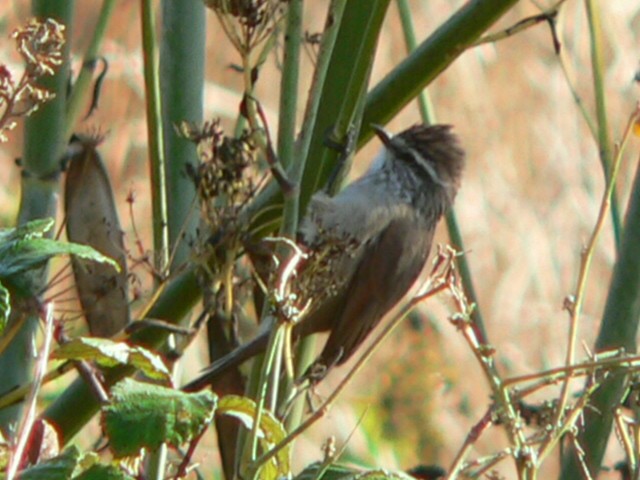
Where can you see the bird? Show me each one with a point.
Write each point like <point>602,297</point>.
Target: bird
<point>371,241</point>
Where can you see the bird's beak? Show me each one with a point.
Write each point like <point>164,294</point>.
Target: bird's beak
<point>383,135</point>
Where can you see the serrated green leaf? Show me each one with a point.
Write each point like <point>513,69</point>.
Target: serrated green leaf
<point>108,353</point>
<point>34,228</point>
<point>142,415</point>
<point>24,248</point>
<point>57,468</point>
<point>270,433</point>
<point>149,363</point>
<point>339,471</point>
<point>21,255</point>
<point>5,307</point>
<point>103,472</point>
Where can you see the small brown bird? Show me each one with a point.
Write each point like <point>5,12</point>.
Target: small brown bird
<point>382,226</point>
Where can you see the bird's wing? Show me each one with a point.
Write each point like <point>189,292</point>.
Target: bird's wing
<point>387,268</point>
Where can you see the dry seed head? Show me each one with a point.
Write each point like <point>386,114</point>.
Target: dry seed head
<point>40,44</point>
<point>247,23</point>
<point>320,277</point>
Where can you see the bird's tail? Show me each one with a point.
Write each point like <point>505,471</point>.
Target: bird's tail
<point>230,361</point>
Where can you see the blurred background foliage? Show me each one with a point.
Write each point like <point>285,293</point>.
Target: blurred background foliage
<point>530,197</point>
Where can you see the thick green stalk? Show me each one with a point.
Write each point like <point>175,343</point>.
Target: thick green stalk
<point>81,86</point>
<point>342,93</point>
<point>44,142</point>
<point>182,61</point>
<point>288,111</point>
<point>334,95</point>
<point>181,83</point>
<point>157,165</point>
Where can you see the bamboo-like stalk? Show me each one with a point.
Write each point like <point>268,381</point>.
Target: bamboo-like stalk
<point>81,86</point>
<point>157,165</point>
<point>288,111</point>
<point>182,61</point>
<point>181,77</point>
<point>342,94</point>
<point>44,142</point>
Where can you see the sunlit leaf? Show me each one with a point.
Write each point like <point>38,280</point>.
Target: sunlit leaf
<point>142,415</point>
<point>108,353</point>
<point>270,433</point>
<point>103,472</point>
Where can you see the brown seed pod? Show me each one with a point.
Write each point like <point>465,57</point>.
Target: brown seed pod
<point>92,219</point>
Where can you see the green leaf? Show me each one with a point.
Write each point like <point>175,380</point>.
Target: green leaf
<point>24,248</point>
<point>5,307</point>
<point>108,353</point>
<point>103,472</point>
<point>270,433</point>
<point>141,415</point>
<point>344,472</point>
<point>32,229</point>
<point>18,256</point>
<point>60,467</point>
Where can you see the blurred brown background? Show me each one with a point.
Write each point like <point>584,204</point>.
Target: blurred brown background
<point>529,200</point>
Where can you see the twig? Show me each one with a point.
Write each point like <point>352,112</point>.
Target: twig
<point>524,454</point>
<point>472,437</point>
<point>626,440</point>
<point>548,16</point>
<point>30,414</point>
<point>554,375</point>
<point>575,305</point>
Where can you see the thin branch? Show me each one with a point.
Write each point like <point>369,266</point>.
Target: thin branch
<point>30,414</point>
<point>575,303</point>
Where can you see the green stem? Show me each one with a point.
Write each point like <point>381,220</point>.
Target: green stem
<point>334,20</point>
<point>288,111</point>
<point>182,60</point>
<point>81,89</point>
<point>155,137</point>
<point>340,113</point>
<point>44,143</point>
<point>604,139</point>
